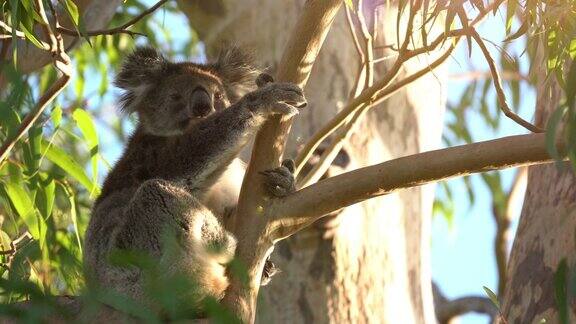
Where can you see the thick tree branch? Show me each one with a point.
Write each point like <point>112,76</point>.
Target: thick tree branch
<point>305,206</point>
<point>123,29</point>
<point>295,66</point>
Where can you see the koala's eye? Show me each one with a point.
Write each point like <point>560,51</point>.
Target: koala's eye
<point>176,96</point>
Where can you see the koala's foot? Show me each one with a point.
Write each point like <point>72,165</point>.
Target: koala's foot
<point>270,269</point>
<point>280,182</point>
<point>273,98</point>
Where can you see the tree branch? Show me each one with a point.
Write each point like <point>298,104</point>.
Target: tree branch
<point>62,63</point>
<point>363,100</point>
<point>118,30</point>
<point>305,206</point>
<point>337,143</point>
<point>254,247</point>
<point>499,89</point>
<point>447,310</point>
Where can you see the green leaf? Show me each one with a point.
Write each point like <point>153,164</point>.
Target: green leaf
<point>30,36</point>
<point>31,151</point>
<point>349,3</point>
<point>25,209</point>
<point>86,124</point>
<point>56,115</point>
<point>560,291</point>
<point>551,130</point>
<point>59,157</point>
<point>73,214</point>
<point>45,196</point>
<point>571,85</point>
<point>72,10</point>
<point>510,11</point>
<point>492,296</point>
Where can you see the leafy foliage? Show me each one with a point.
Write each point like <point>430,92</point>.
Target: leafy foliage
<point>52,175</point>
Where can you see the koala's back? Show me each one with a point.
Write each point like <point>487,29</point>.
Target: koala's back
<point>108,230</point>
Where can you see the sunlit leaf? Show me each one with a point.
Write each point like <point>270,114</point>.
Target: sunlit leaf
<point>45,196</point>
<point>72,10</point>
<point>492,296</point>
<point>349,3</point>
<point>30,36</point>
<point>571,85</point>
<point>73,215</point>
<point>25,208</point>
<point>86,125</point>
<point>56,115</point>
<point>510,12</point>
<point>59,157</point>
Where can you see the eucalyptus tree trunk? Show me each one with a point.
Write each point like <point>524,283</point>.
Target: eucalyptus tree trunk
<point>371,263</point>
<point>545,236</point>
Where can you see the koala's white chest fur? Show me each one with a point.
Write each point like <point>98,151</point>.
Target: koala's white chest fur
<point>224,194</point>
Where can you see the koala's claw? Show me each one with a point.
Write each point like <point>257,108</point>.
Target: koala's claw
<point>263,79</point>
<point>275,98</point>
<point>270,269</point>
<point>280,182</point>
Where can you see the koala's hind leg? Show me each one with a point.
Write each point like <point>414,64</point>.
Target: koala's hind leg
<point>160,203</point>
<point>204,245</point>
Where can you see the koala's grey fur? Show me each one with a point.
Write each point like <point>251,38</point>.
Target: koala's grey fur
<point>171,172</point>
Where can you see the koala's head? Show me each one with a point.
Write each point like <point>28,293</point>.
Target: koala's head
<point>169,97</point>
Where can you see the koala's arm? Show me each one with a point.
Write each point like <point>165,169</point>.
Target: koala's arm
<point>202,154</point>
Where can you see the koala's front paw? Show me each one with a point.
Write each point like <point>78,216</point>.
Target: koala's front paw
<point>275,98</point>
<point>279,182</point>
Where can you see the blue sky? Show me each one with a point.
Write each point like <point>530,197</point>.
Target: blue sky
<point>462,254</point>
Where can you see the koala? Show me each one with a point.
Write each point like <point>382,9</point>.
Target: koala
<point>180,169</point>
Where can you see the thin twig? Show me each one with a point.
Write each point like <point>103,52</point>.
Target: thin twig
<point>117,30</point>
<point>9,30</point>
<point>353,106</point>
<point>360,78</point>
<point>475,75</point>
<point>63,64</point>
<point>338,142</point>
<point>499,89</point>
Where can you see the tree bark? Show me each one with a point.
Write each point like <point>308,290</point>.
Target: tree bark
<point>374,266</point>
<point>545,234</point>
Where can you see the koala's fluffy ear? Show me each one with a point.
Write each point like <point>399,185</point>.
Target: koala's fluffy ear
<point>137,74</point>
<point>237,70</point>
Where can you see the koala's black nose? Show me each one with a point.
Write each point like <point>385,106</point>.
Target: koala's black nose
<point>201,103</point>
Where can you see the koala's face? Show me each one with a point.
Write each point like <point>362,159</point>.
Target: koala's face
<point>170,97</point>
<point>187,94</point>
